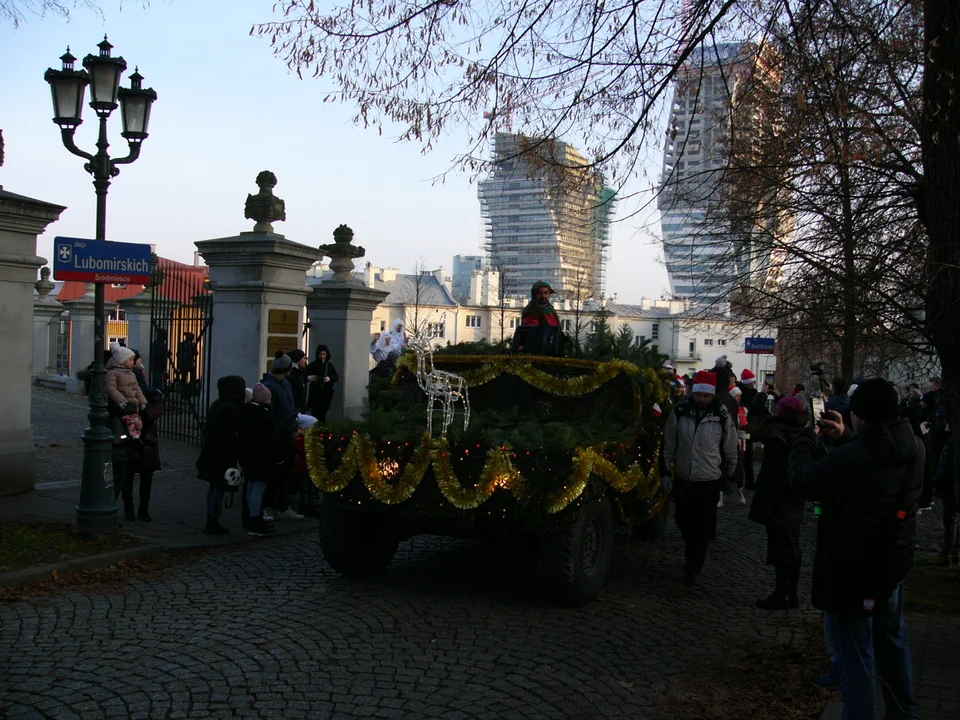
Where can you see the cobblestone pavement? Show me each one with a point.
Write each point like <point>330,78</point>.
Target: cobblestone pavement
<point>455,629</point>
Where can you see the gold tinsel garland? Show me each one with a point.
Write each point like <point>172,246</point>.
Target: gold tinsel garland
<point>385,483</point>
<point>522,366</point>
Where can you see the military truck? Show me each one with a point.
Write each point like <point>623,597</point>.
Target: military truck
<point>556,451</point>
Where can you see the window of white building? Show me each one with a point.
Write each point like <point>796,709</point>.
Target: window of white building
<point>655,331</point>
<point>473,321</point>
<point>435,330</point>
<point>721,342</point>
<point>708,342</point>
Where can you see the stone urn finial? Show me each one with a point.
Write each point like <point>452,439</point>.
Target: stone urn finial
<point>342,254</point>
<point>265,207</point>
<point>44,286</point>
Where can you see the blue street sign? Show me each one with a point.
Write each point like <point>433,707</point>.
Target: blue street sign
<point>101,261</point>
<point>760,346</point>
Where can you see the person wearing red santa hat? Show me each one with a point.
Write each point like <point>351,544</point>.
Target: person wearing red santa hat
<point>699,450</point>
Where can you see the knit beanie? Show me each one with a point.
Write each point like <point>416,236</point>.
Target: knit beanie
<point>261,394</point>
<point>296,355</point>
<point>121,354</point>
<point>305,422</point>
<point>282,363</point>
<point>247,395</point>
<point>791,405</point>
<point>875,401</point>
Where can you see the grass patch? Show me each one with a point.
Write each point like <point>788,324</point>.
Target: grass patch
<point>26,545</point>
<point>933,589</point>
<point>754,679</point>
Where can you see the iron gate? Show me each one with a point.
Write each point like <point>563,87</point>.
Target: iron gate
<point>181,332</point>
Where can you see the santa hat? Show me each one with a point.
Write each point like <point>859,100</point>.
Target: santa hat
<point>657,411</point>
<point>735,392</point>
<point>747,377</point>
<point>705,382</point>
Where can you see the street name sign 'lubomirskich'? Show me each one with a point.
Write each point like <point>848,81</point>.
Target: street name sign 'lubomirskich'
<point>101,261</point>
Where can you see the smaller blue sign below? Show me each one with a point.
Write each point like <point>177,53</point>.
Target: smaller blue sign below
<point>760,346</point>
<point>101,261</point>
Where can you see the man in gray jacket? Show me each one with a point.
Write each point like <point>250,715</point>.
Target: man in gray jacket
<point>699,451</point>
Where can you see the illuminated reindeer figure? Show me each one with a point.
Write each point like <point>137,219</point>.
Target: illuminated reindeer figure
<point>440,386</point>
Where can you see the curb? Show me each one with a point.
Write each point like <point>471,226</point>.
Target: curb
<point>44,573</point>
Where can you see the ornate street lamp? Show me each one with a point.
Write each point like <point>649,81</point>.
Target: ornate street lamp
<point>97,509</point>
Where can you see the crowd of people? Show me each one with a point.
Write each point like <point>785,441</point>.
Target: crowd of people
<point>866,466</point>
<point>253,441</point>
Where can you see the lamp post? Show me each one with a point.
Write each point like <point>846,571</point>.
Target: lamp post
<point>97,509</point>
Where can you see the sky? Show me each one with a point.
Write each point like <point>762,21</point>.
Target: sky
<point>228,108</point>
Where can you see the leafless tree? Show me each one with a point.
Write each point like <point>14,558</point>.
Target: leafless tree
<point>419,277</point>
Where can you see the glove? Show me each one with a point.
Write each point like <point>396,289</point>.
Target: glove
<point>666,482</point>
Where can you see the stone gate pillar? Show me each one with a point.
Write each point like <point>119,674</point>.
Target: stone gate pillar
<point>21,220</point>
<point>46,326</point>
<point>259,286</point>
<point>340,311</point>
<point>82,336</point>
<point>137,311</point>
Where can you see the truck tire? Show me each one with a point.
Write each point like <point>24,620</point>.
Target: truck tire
<point>574,562</point>
<point>654,527</point>
<point>354,544</point>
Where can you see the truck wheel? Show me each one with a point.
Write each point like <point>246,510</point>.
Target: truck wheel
<point>574,562</point>
<point>353,544</point>
<point>654,527</point>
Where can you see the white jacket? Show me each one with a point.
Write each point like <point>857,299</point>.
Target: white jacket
<point>700,445</point>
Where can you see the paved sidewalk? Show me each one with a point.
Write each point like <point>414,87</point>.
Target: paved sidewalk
<point>177,505</point>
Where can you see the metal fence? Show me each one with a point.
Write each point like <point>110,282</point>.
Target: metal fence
<point>181,330</point>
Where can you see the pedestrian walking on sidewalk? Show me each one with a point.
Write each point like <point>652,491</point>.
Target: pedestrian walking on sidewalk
<point>868,487</point>
<point>220,451</point>
<point>700,449</point>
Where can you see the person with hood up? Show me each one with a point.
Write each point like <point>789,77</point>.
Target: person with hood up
<point>383,347</point>
<point>539,311</point>
<point>869,492</point>
<point>220,451</point>
<point>398,336</point>
<point>774,505</point>
<point>322,376</point>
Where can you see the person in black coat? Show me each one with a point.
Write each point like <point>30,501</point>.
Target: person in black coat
<point>260,455</point>
<point>774,505</point>
<point>220,446</point>
<point>296,379</point>
<point>869,493</point>
<point>321,376</point>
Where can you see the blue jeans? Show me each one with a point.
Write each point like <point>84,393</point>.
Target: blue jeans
<point>872,647</point>
<point>214,499</point>
<point>255,490</point>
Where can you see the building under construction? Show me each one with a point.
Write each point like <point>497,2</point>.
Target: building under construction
<point>547,214</point>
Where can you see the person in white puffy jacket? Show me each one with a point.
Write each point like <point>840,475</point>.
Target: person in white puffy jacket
<point>699,452</point>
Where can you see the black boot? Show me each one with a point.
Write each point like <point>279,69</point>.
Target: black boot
<point>779,599</point>
<point>214,527</point>
<point>146,483</point>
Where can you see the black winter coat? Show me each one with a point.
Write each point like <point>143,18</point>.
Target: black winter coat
<point>282,405</point>
<point>298,388</point>
<point>869,490</point>
<point>220,441</point>
<point>319,393</point>
<point>773,501</point>
<point>260,447</point>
